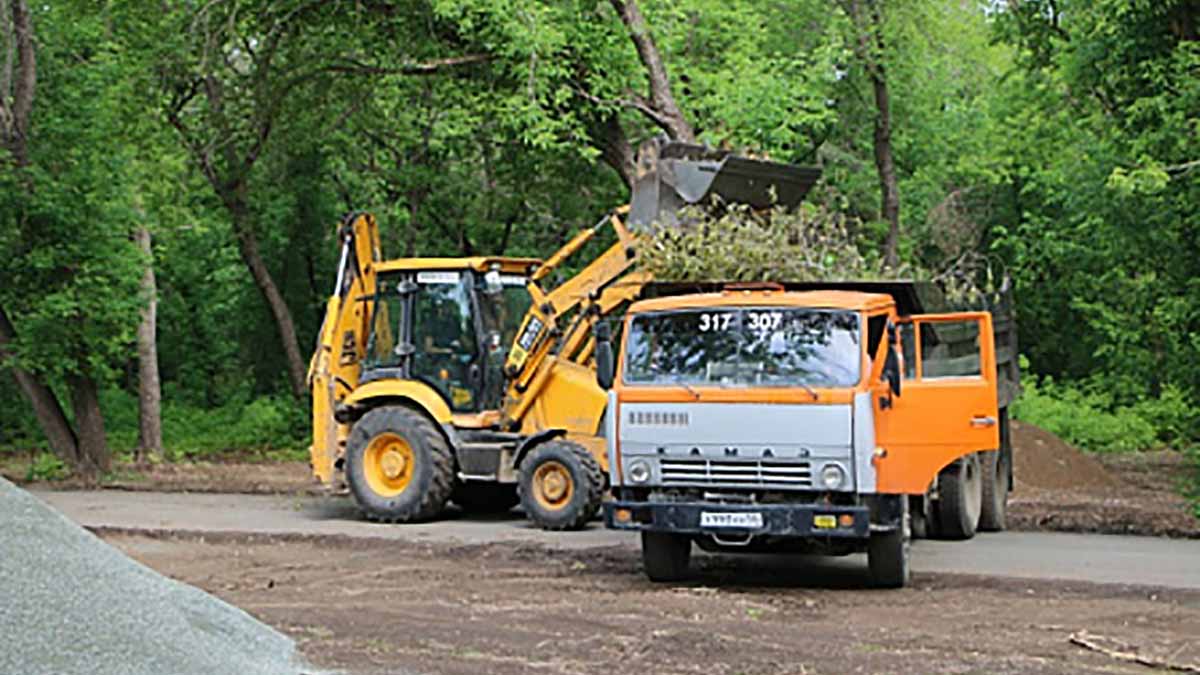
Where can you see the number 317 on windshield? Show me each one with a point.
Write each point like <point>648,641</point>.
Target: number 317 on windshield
<point>723,321</point>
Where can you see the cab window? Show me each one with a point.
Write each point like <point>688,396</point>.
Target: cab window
<point>443,335</point>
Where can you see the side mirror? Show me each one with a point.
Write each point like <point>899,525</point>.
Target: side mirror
<point>605,365</point>
<point>891,371</point>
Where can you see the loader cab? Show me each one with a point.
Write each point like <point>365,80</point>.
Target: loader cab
<point>447,323</point>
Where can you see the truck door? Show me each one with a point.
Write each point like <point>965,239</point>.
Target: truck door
<point>947,403</point>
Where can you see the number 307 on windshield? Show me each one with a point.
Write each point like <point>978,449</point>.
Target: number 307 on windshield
<point>723,321</point>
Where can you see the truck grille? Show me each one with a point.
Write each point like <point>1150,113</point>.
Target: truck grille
<point>736,473</point>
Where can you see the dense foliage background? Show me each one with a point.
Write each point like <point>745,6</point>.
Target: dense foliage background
<point>1060,139</point>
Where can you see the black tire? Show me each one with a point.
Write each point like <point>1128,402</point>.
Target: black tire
<point>887,559</point>
<point>485,497</point>
<point>574,468</point>
<point>921,526</point>
<point>426,492</point>
<point>666,556</point>
<point>960,498</point>
<point>993,515</point>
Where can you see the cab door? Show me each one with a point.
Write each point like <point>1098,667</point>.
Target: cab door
<point>947,403</point>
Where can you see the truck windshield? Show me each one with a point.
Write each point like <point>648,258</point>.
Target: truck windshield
<point>745,346</point>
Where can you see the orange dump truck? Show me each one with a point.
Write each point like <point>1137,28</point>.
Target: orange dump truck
<point>763,419</point>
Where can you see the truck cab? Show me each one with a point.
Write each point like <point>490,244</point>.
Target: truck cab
<point>758,419</point>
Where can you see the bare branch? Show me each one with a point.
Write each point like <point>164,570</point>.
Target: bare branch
<point>431,67</point>
<point>662,100</point>
<point>635,102</point>
<point>1177,169</point>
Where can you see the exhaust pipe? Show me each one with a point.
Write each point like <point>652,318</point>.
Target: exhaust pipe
<point>672,175</point>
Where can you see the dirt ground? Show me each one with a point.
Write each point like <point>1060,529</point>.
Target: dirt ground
<point>382,607</point>
<point>1059,488</point>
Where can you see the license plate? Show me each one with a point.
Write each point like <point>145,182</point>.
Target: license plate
<point>741,520</point>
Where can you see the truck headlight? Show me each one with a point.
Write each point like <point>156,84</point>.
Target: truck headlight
<point>832,476</point>
<point>639,471</point>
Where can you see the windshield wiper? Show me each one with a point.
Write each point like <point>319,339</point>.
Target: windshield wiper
<point>678,379</point>
<point>815,395</point>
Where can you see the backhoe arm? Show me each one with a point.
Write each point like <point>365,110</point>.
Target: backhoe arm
<point>558,324</point>
<point>341,344</point>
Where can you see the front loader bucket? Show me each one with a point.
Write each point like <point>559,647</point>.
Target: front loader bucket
<point>671,176</point>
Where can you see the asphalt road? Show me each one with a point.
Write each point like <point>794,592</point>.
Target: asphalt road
<point>1170,563</point>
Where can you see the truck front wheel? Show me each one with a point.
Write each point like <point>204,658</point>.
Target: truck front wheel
<point>666,556</point>
<point>887,559</point>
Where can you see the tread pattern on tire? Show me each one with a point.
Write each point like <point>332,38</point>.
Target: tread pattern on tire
<point>406,421</point>
<point>951,524</point>
<point>593,494</point>
<point>886,568</point>
<point>666,557</point>
<point>993,515</point>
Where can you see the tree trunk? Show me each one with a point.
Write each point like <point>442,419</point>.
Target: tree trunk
<point>286,327</point>
<point>10,51</point>
<point>49,413</point>
<point>662,107</point>
<point>150,443</point>
<point>886,166</point>
<point>616,149</point>
<point>14,118</point>
<point>95,458</point>
<point>871,51</point>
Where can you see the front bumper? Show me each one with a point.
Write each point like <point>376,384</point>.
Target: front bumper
<point>778,520</point>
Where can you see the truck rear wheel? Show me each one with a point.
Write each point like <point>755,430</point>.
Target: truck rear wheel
<point>960,498</point>
<point>479,497</point>
<point>560,485</point>
<point>994,512</point>
<point>398,466</point>
<point>666,556</point>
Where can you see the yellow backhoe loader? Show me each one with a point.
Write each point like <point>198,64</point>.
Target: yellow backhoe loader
<point>470,379</point>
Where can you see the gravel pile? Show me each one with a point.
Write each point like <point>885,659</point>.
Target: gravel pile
<point>70,603</point>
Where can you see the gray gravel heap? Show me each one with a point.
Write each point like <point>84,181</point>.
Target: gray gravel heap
<point>70,603</point>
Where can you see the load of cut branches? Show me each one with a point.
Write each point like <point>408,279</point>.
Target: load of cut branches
<point>810,243</point>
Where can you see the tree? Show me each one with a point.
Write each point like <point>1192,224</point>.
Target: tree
<point>67,304</point>
<point>867,23</point>
<point>150,440</point>
<point>16,29</point>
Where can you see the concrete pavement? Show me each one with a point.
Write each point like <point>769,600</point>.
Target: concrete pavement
<point>1151,561</point>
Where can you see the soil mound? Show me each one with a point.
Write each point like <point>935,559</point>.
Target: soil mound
<point>1043,460</point>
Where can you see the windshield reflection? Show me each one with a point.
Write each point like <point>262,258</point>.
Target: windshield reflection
<point>745,346</point>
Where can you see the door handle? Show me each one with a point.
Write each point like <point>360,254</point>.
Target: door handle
<point>982,421</point>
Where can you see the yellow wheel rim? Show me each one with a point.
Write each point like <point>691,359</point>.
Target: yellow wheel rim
<point>552,485</point>
<point>389,462</point>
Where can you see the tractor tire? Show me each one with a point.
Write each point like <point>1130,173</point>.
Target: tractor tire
<point>960,498</point>
<point>994,512</point>
<point>398,465</point>
<point>666,556</point>
<point>485,498</point>
<point>560,485</point>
